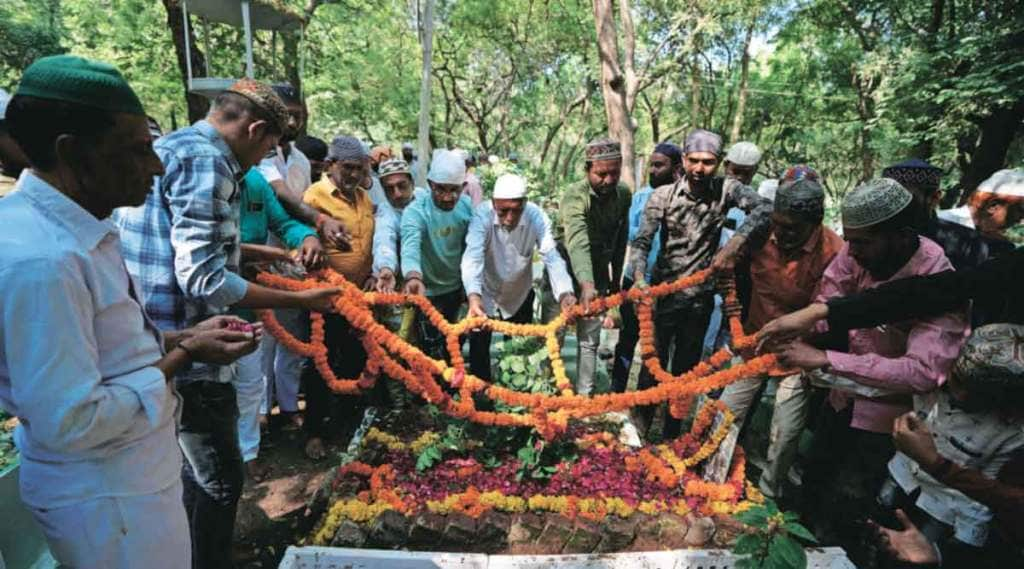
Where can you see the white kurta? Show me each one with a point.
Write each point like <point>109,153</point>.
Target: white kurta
<point>498,263</point>
<point>77,355</point>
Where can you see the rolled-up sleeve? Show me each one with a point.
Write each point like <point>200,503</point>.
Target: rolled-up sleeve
<point>198,191</point>
<point>62,400</point>
<point>757,208</point>
<point>476,248</point>
<point>558,272</point>
<point>385,240</point>
<point>412,238</point>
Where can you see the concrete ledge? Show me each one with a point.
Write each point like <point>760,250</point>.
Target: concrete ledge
<point>336,558</point>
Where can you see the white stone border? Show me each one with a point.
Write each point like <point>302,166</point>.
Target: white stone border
<point>338,558</point>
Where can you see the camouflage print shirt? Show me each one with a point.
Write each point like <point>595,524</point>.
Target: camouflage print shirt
<point>690,226</point>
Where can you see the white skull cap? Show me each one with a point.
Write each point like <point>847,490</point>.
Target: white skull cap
<point>447,167</point>
<point>509,187</point>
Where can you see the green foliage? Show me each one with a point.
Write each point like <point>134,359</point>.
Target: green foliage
<point>772,540</point>
<point>8,452</point>
<point>847,86</point>
<point>454,440</point>
<point>523,365</point>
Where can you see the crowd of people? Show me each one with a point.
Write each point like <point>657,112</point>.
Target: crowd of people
<point>130,353</point>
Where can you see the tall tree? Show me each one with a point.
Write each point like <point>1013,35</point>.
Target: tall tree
<point>427,41</point>
<point>614,81</point>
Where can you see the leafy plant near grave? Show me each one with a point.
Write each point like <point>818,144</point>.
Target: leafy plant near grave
<point>773,539</point>
<point>523,366</point>
<point>8,452</point>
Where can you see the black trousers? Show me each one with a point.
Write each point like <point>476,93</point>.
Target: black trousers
<point>843,472</point>
<point>679,339</point>
<point>480,342</point>
<point>212,474</point>
<point>431,340</point>
<point>347,357</point>
<point>629,335</point>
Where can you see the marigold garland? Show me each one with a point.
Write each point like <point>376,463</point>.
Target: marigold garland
<point>548,414</point>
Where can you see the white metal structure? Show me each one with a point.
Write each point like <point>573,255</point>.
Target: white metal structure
<point>246,14</point>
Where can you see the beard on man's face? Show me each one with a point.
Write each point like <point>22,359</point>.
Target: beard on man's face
<point>662,179</point>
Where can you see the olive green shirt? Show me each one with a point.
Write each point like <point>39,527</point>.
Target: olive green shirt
<point>596,231</point>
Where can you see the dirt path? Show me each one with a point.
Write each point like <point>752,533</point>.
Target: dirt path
<point>270,514</point>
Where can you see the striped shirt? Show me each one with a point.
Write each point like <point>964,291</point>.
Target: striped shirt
<point>182,245</point>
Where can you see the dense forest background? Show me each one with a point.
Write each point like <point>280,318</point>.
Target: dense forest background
<point>847,86</point>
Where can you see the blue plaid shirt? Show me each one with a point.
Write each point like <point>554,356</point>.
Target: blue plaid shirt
<point>182,246</point>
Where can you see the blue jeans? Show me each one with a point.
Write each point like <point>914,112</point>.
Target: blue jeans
<point>213,473</point>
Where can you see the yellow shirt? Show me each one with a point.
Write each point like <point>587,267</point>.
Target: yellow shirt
<point>7,184</point>
<point>357,217</point>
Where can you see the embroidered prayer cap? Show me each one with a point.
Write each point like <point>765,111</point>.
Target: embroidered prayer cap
<point>263,97</point>
<point>346,148</point>
<point>394,166</point>
<point>914,173</point>
<point>803,198</point>
<point>744,154</point>
<point>992,357</point>
<point>700,140</point>
<point>603,149</point>
<point>1005,183</point>
<point>873,202</point>
<point>671,151</point>
<point>447,167</point>
<point>509,187</point>
<point>799,172</point>
<point>81,81</point>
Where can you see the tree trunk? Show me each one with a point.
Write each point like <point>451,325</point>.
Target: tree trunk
<point>198,105</point>
<point>613,87</point>
<point>997,132</point>
<point>741,98</point>
<point>290,59</point>
<point>695,90</point>
<point>427,41</point>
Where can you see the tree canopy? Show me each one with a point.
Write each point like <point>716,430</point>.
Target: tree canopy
<point>846,86</point>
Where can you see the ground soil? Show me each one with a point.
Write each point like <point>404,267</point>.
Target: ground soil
<point>271,512</point>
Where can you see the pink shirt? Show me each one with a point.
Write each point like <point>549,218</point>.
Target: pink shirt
<point>910,357</point>
<point>473,189</point>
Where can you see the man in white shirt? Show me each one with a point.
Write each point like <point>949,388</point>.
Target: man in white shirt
<point>83,368</point>
<point>396,180</point>
<point>975,422</point>
<point>497,266</point>
<point>288,171</point>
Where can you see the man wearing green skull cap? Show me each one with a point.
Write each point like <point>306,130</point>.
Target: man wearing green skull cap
<point>81,365</point>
